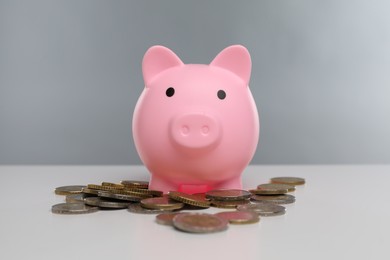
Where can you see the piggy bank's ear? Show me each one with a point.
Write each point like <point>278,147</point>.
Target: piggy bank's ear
<point>156,60</point>
<point>236,59</point>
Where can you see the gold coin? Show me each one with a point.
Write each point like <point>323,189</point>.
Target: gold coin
<point>132,193</point>
<point>228,194</point>
<point>114,185</point>
<point>272,188</point>
<point>100,187</point>
<point>135,184</point>
<point>228,204</point>
<point>239,217</point>
<point>71,189</point>
<point>189,199</point>
<point>137,208</point>
<point>155,193</point>
<point>161,203</point>
<point>90,191</point>
<point>111,195</point>
<point>288,180</point>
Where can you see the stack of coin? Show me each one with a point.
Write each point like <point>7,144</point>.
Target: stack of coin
<point>107,195</point>
<point>228,198</point>
<point>135,196</point>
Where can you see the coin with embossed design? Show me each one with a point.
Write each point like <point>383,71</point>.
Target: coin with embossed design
<point>264,209</point>
<point>228,194</point>
<point>199,223</point>
<point>161,203</point>
<point>74,198</point>
<point>277,199</point>
<point>135,184</point>
<point>193,200</point>
<point>228,204</point>
<point>111,195</point>
<point>137,208</point>
<point>288,180</point>
<point>71,189</point>
<point>72,208</point>
<point>166,218</point>
<point>239,217</point>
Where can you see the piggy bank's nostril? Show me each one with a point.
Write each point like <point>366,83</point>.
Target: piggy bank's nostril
<point>185,130</point>
<point>195,131</point>
<point>205,129</point>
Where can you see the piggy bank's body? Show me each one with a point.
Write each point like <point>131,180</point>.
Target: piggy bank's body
<point>196,126</point>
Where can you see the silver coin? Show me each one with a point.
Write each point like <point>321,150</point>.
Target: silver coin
<point>75,198</point>
<point>71,189</point>
<point>276,199</point>
<point>114,204</point>
<point>264,209</point>
<point>72,208</point>
<point>92,201</point>
<point>228,194</point>
<point>103,203</point>
<point>199,223</point>
<point>137,208</point>
<point>108,194</point>
<point>239,217</point>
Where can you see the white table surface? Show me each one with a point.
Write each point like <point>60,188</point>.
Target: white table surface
<point>341,213</point>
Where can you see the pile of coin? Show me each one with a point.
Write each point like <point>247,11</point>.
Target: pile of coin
<point>135,196</point>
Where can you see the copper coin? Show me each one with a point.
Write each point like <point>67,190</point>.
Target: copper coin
<point>161,203</point>
<point>166,218</point>
<point>239,217</point>
<point>228,204</point>
<point>189,199</point>
<point>199,223</point>
<point>228,194</point>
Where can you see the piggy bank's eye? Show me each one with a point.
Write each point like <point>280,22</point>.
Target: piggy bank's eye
<point>170,92</point>
<point>221,94</point>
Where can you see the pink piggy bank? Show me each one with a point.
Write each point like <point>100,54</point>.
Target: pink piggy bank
<point>196,126</point>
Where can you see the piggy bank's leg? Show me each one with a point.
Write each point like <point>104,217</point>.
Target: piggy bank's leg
<point>234,183</point>
<point>157,183</point>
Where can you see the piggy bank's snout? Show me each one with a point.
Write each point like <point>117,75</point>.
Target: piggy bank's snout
<point>195,131</point>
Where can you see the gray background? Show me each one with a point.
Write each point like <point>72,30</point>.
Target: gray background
<point>70,75</point>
